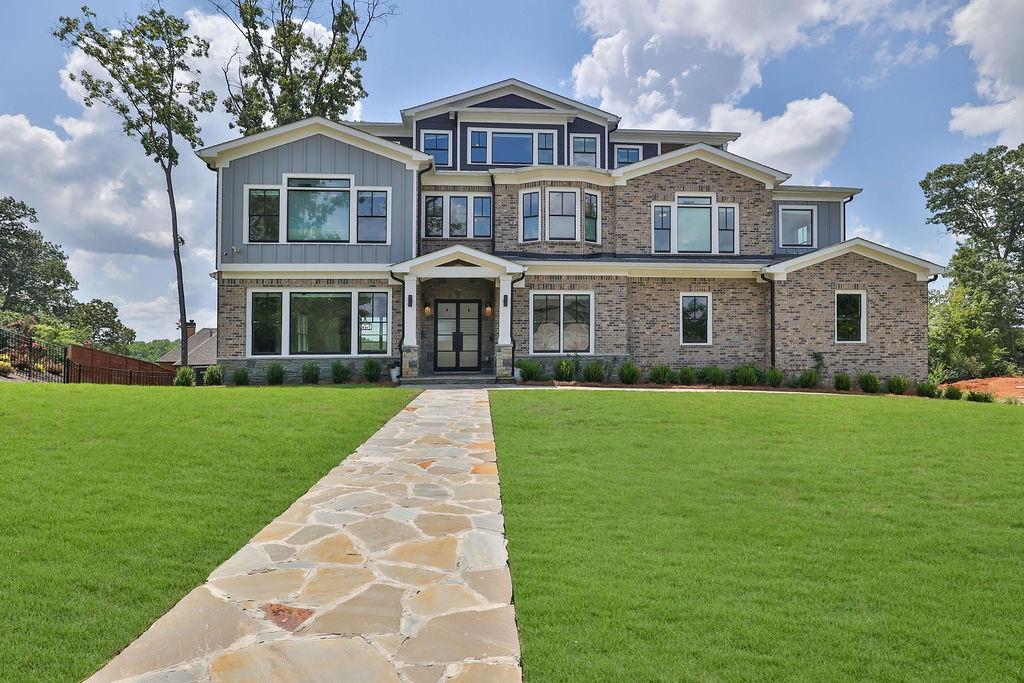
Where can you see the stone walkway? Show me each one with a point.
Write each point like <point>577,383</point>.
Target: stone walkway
<point>391,568</point>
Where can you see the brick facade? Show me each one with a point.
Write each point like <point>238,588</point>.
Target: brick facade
<point>507,210</point>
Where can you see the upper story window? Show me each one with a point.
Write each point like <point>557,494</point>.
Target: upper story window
<point>591,216</point>
<point>584,150</point>
<point>727,229</point>
<point>545,148</point>
<point>851,318</point>
<point>529,223</point>
<point>482,216</point>
<point>511,147</point>
<point>372,216</point>
<point>319,209</point>
<point>447,215</point>
<point>563,215</point>
<point>694,224</point>
<point>798,226</point>
<point>478,147</point>
<point>627,154</point>
<point>263,208</point>
<point>438,145</point>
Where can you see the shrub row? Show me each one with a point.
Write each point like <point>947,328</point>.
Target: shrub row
<point>341,372</point>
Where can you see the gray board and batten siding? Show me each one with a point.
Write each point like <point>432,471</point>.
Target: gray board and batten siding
<point>316,154</point>
<point>830,225</point>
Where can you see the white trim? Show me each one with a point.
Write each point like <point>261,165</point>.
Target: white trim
<point>444,178</point>
<point>286,321</point>
<point>547,213</point>
<point>533,132</point>
<point>667,269</point>
<point>245,210</point>
<point>583,215</point>
<point>682,137</point>
<point>220,218</point>
<point>522,218</point>
<point>598,160</point>
<point>361,268</point>
<point>674,226</point>
<point>446,214</point>
<point>561,311</point>
<point>710,340</point>
<point>615,153</point>
<point>813,193</point>
<point>531,174</point>
<point>863,315</point>
<point>446,133</point>
<point>814,225</point>
<point>858,245</point>
<point>727,160</point>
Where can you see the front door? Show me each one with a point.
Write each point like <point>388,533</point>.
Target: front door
<point>457,335</point>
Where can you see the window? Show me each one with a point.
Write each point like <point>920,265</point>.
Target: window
<point>265,323</point>
<point>458,216</point>
<point>264,212</point>
<point>727,229</point>
<point>797,226</point>
<point>693,224</point>
<point>561,322</point>
<point>437,145</point>
<point>481,216</point>
<point>320,323</point>
<point>372,216</point>
<point>318,209</point>
<point>662,228</point>
<point>545,148</point>
<point>591,216</point>
<point>530,228</point>
<point>373,322</point>
<point>624,156</point>
<point>562,215</point>
<point>512,148</point>
<point>478,147</point>
<point>695,318</point>
<point>851,321</point>
<point>433,217</point>
<point>584,150</point>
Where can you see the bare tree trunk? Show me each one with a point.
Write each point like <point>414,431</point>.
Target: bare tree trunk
<point>182,317</point>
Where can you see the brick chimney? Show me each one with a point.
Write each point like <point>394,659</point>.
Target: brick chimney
<point>190,328</point>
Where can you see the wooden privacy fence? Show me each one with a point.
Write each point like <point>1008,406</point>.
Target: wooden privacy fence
<point>90,374</point>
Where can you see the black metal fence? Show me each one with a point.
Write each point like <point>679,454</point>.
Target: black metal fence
<point>89,374</point>
<point>26,358</point>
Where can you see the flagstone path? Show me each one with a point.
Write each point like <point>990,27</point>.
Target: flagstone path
<point>391,568</point>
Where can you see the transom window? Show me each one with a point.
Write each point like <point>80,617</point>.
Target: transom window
<point>797,226</point>
<point>448,215</point>
<point>318,323</point>
<point>562,215</point>
<point>624,156</point>
<point>530,211</point>
<point>561,322</point>
<point>264,214</point>
<point>584,150</point>
<point>851,318</point>
<point>695,318</point>
<point>694,224</point>
<point>591,216</point>
<point>511,147</point>
<point>438,145</point>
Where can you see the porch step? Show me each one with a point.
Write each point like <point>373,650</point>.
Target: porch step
<point>460,378</point>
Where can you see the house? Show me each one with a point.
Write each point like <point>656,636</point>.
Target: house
<point>511,222</point>
<point>202,351</point>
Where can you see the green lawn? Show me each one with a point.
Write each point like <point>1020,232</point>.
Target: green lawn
<point>116,501</point>
<point>729,536</point>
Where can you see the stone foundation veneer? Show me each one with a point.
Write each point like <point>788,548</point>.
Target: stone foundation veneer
<point>410,361</point>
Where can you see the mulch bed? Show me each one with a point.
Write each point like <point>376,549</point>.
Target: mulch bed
<point>1003,387</point>
<point>723,387</point>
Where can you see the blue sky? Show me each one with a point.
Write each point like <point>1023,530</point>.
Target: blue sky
<point>869,93</point>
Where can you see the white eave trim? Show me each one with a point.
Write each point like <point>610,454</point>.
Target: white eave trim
<point>686,137</point>
<point>642,269</point>
<point>302,271</point>
<point>436,259</point>
<point>529,174</point>
<point>727,160</point>
<point>813,193</point>
<point>924,270</point>
<point>456,178</point>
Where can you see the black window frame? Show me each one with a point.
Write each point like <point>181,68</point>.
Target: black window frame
<point>276,215</point>
<point>597,146</point>
<point>575,215</point>
<point>587,196</point>
<point>432,151</point>
<point>730,228</point>
<point>474,145</point>
<point>667,210</point>
<point>859,317</point>
<point>489,215</point>
<point>534,195</point>
<point>372,214</point>
<point>541,150</point>
<point>810,233</point>
<point>683,319</point>
<point>426,215</point>
<point>319,185</point>
<point>253,323</point>
<point>451,215</point>
<point>626,148</point>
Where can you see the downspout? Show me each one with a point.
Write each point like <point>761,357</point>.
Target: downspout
<point>845,202</point>
<point>415,209</point>
<point>771,284</point>
<point>401,342</point>
<point>511,318</point>
<point>933,278</point>
<point>494,232</point>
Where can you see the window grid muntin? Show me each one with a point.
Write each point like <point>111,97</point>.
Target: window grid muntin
<point>560,298</point>
<point>696,308</point>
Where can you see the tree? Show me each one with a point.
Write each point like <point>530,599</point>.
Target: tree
<point>155,91</point>
<point>100,321</point>
<point>34,275</point>
<point>963,340</point>
<point>288,73</point>
<point>150,350</point>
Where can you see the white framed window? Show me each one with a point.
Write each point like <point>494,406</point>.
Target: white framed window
<point>438,144</point>
<point>798,226</point>
<point>563,214</point>
<point>511,146</point>
<point>728,228</point>
<point>459,215</point>
<point>529,215</point>
<point>315,323</point>
<point>695,319</point>
<point>592,216</point>
<point>690,225</point>
<point>851,313</point>
<point>628,154</point>
<point>586,150</point>
<point>561,322</point>
<point>261,205</point>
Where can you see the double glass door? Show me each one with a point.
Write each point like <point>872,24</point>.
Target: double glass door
<point>457,342</point>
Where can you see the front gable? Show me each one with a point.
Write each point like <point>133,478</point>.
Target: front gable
<point>770,177</point>
<point>512,101</point>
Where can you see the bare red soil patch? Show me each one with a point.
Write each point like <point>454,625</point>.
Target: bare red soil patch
<point>1003,387</point>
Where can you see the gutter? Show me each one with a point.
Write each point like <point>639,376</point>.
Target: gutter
<point>771,284</point>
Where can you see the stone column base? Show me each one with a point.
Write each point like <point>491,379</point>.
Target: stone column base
<point>503,360</point>
<point>410,361</point>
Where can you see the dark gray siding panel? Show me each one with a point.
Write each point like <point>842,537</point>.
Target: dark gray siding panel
<point>585,126</point>
<point>403,141</point>
<point>830,225</point>
<point>317,154</point>
<point>512,101</point>
<point>464,138</point>
<point>439,122</point>
<point>649,149</point>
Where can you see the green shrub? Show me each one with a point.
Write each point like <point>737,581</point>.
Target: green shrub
<point>842,382</point>
<point>869,383</point>
<point>565,370</point>
<point>530,370</point>
<point>372,369</point>
<point>661,374</point>
<point>275,374</point>
<point>686,376</point>
<point>341,372</point>
<point>980,397</point>
<point>927,390</point>
<point>213,376</point>
<point>310,372</point>
<point>897,384</point>
<point>593,372</point>
<point>745,375</point>
<point>629,373</point>
<point>185,377</point>
<point>953,393</point>
<point>809,379</point>
<point>774,377</point>
<point>240,377</point>
<point>713,375</point>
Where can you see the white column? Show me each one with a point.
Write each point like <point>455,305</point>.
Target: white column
<point>504,310</point>
<point>409,307</point>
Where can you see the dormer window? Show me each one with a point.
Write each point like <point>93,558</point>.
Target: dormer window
<point>438,145</point>
<point>797,226</point>
<point>584,150</point>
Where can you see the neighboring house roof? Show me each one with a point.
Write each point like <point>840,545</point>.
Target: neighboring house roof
<point>814,192</point>
<point>684,137</point>
<point>858,245</point>
<point>202,349</point>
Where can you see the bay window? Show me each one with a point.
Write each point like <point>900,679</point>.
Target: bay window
<point>851,318</point>
<point>562,215</point>
<point>318,323</point>
<point>561,322</point>
<point>797,226</point>
<point>695,318</point>
<point>529,226</point>
<point>447,215</point>
<point>591,216</point>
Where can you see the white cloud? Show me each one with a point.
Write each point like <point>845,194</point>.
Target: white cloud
<point>991,31</point>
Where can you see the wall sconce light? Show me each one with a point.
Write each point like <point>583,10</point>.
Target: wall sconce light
<point>488,311</point>
<point>427,311</point>
<point>504,300</point>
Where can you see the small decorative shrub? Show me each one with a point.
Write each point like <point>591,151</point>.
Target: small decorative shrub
<point>927,390</point>
<point>185,377</point>
<point>275,374</point>
<point>310,372</point>
<point>5,365</point>
<point>240,377</point>
<point>897,384</point>
<point>214,376</point>
<point>39,367</point>
<point>530,370</point>
<point>953,393</point>
<point>686,376</point>
<point>869,383</point>
<point>629,373</point>
<point>341,372</point>
<point>980,397</point>
<point>593,372</point>
<point>661,374</point>
<point>842,382</point>
<point>745,375</point>
<point>774,377</point>
<point>565,370</point>
<point>713,375</point>
<point>371,369</point>
<point>809,379</point>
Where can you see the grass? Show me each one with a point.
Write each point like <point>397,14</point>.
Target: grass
<point>732,536</point>
<point>116,501</point>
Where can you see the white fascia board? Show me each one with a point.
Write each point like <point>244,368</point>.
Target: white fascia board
<point>455,178</point>
<point>528,174</point>
<point>460,252</point>
<point>686,137</point>
<point>813,193</point>
<point>596,268</point>
<point>303,271</point>
<point>727,160</point>
<point>496,115</point>
<point>924,270</point>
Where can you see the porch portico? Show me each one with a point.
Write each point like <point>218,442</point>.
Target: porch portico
<point>457,312</point>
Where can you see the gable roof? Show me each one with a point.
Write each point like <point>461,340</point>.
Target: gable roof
<point>458,256</point>
<point>202,349</point>
<point>858,245</point>
<point>769,176</point>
